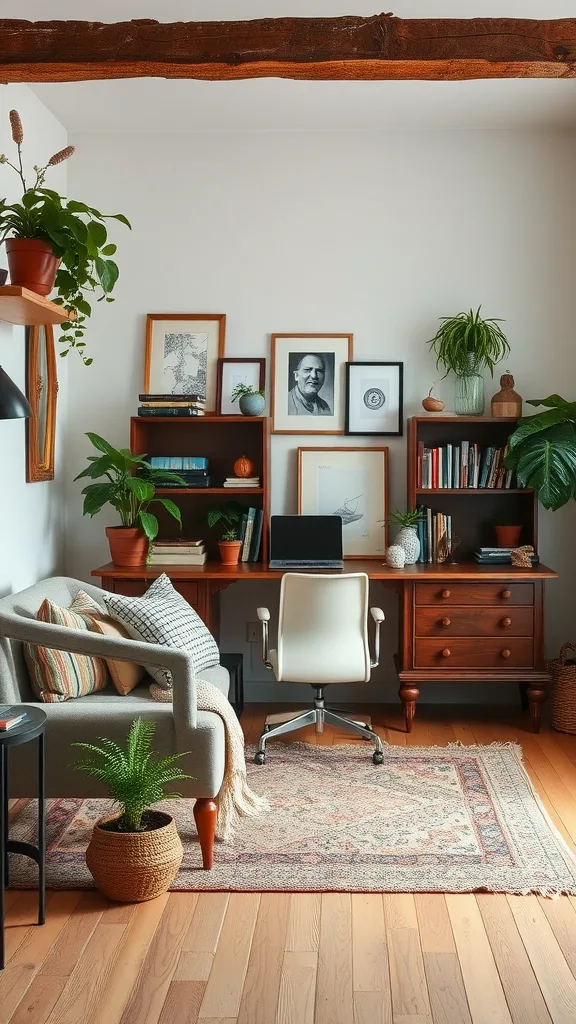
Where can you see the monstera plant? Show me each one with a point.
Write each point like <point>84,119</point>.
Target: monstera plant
<point>542,451</point>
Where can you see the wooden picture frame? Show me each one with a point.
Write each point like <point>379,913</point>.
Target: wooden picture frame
<point>188,375</point>
<point>293,412</point>
<point>374,399</point>
<point>258,381</point>
<point>42,394</point>
<point>326,475</point>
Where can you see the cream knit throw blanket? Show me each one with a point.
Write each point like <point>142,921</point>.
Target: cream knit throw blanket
<point>236,799</point>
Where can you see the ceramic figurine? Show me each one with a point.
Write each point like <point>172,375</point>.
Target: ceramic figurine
<point>395,557</point>
<point>432,404</point>
<point>507,402</point>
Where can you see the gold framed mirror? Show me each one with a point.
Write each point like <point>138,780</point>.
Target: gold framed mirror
<point>42,393</point>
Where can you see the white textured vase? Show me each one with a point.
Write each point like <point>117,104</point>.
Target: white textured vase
<point>395,556</point>
<point>407,538</point>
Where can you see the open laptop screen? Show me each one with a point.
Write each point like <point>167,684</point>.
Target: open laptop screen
<point>305,537</point>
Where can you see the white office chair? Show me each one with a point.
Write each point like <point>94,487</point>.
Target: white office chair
<point>322,639</point>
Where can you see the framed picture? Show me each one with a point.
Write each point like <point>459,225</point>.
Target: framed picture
<point>352,483</point>
<point>308,382</point>
<point>182,352</point>
<point>230,373</point>
<point>374,393</point>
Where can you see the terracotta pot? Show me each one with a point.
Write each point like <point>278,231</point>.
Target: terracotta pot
<point>128,545</point>
<point>32,264</point>
<point>230,551</point>
<point>135,866</point>
<point>508,536</point>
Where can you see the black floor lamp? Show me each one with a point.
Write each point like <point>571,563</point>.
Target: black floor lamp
<point>13,404</point>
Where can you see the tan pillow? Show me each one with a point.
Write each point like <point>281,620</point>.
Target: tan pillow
<point>124,674</point>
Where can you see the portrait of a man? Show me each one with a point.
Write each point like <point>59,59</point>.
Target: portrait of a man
<point>311,384</point>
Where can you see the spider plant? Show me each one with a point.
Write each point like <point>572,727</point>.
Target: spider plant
<point>466,343</point>
<point>542,451</point>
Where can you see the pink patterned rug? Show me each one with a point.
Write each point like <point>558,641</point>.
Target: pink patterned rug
<point>430,819</point>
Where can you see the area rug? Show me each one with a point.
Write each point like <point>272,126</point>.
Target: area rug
<point>429,819</point>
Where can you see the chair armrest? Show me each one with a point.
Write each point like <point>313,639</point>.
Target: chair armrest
<point>264,616</point>
<point>378,616</point>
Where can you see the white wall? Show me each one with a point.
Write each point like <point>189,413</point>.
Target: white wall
<point>32,517</point>
<point>374,233</point>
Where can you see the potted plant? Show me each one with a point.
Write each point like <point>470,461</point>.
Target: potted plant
<point>54,241</point>
<point>134,855</point>
<point>542,451</point>
<point>407,536</point>
<point>465,345</point>
<point>508,529</point>
<point>230,514</point>
<point>129,486</point>
<point>250,400</point>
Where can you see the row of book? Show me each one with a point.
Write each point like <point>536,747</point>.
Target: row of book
<point>456,466</point>
<point>171,405</point>
<point>435,535</point>
<point>250,534</point>
<point>177,552</point>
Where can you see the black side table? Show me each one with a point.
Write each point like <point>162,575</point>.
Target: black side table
<point>235,665</point>
<point>31,728</point>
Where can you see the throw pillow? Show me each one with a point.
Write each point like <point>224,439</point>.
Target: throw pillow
<point>124,674</point>
<point>61,675</point>
<point>163,616</point>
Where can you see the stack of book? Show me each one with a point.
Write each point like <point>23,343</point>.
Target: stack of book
<point>457,466</point>
<point>193,469</point>
<point>177,552</point>
<point>251,534</point>
<point>435,535</point>
<point>242,481</point>
<point>171,405</point>
<point>498,556</point>
<point>9,717</point>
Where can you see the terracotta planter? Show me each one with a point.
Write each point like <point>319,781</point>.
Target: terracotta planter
<point>508,536</point>
<point>128,545</point>
<point>32,264</point>
<point>135,866</point>
<point>230,551</point>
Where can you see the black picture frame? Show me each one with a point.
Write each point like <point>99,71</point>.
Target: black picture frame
<point>349,419</point>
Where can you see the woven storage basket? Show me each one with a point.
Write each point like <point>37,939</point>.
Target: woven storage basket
<point>135,866</point>
<point>563,690</point>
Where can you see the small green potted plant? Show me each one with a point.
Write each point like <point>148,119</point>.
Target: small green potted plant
<point>250,400</point>
<point>407,536</point>
<point>54,241</point>
<point>129,485</point>
<point>230,516</point>
<point>465,345</point>
<point>542,451</point>
<point>134,855</point>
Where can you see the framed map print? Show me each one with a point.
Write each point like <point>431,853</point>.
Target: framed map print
<point>182,352</point>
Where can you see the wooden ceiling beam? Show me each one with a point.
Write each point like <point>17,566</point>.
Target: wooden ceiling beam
<point>349,48</point>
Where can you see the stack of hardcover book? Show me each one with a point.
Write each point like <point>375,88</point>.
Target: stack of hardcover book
<point>10,716</point>
<point>251,534</point>
<point>242,481</point>
<point>171,405</point>
<point>177,552</point>
<point>498,556</point>
<point>193,469</point>
<point>458,466</point>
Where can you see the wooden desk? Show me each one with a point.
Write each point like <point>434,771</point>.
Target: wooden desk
<point>465,623</point>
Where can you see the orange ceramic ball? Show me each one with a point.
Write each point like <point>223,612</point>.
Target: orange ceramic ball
<point>243,466</point>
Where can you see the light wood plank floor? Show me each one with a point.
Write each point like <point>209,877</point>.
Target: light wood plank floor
<point>250,958</point>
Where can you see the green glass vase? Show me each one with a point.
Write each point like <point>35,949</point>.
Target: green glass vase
<point>469,394</point>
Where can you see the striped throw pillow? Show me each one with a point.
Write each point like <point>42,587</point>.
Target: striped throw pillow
<point>61,675</point>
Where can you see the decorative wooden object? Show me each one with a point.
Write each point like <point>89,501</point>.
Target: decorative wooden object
<point>507,402</point>
<point>377,47</point>
<point>42,393</point>
<point>25,308</point>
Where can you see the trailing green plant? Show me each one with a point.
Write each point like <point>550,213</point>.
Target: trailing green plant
<point>542,451</point>
<point>134,775</point>
<point>408,518</point>
<point>230,515</point>
<point>130,486</point>
<point>466,343</point>
<point>76,232</point>
<point>245,389</point>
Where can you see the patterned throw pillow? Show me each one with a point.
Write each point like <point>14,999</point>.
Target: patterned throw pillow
<point>60,675</point>
<point>163,616</point>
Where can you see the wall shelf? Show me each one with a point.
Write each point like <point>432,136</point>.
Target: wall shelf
<point>25,308</point>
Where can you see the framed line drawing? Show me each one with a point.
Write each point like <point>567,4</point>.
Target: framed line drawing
<point>374,399</point>
<point>230,373</point>
<point>352,483</point>
<point>308,383</point>
<point>182,352</point>
<point>42,393</point>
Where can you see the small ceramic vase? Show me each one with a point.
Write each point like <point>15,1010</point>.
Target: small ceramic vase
<point>395,557</point>
<point>408,539</point>
<point>252,405</point>
<point>507,402</point>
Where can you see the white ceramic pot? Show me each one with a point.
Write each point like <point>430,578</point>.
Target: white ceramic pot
<point>407,538</point>
<point>395,556</point>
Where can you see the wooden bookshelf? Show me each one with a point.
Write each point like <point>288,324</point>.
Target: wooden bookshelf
<point>28,309</point>
<point>222,440</point>
<point>474,510</point>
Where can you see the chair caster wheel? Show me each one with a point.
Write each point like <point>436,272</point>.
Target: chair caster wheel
<point>260,758</point>
<point>377,757</point>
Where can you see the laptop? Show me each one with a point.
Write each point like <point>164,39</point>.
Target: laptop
<point>306,542</point>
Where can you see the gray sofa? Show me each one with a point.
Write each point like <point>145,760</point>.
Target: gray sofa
<point>180,727</point>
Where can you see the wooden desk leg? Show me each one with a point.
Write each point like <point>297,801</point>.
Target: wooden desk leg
<point>409,695</point>
<point>536,694</point>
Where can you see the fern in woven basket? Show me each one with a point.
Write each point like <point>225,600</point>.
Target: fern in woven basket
<point>134,776</point>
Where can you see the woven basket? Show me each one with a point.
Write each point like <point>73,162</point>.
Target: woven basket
<point>134,866</point>
<point>563,690</point>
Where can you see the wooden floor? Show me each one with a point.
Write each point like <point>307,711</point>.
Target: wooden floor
<point>309,959</point>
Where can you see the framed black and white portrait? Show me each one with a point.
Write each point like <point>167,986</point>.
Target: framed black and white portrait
<point>182,352</point>
<point>308,382</point>
<point>374,396</point>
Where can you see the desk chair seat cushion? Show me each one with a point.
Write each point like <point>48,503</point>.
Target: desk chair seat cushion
<point>163,616</point>
<point>57,676</point>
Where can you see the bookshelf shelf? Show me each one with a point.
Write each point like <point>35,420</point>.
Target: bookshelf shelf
<point>474,490</point>
<point>27,309</point>
<point>199,491</point>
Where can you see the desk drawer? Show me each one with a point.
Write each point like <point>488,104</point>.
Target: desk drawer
<point>475,593</point>
<point>499,653</point>
<point>470,621</point>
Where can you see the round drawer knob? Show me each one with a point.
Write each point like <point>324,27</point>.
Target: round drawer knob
<point>446,621</point>
<point>506,623</point>
<point>506,652</point>
<point>446,653</point>
<point>445,594</point>
<point>506,594</point>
